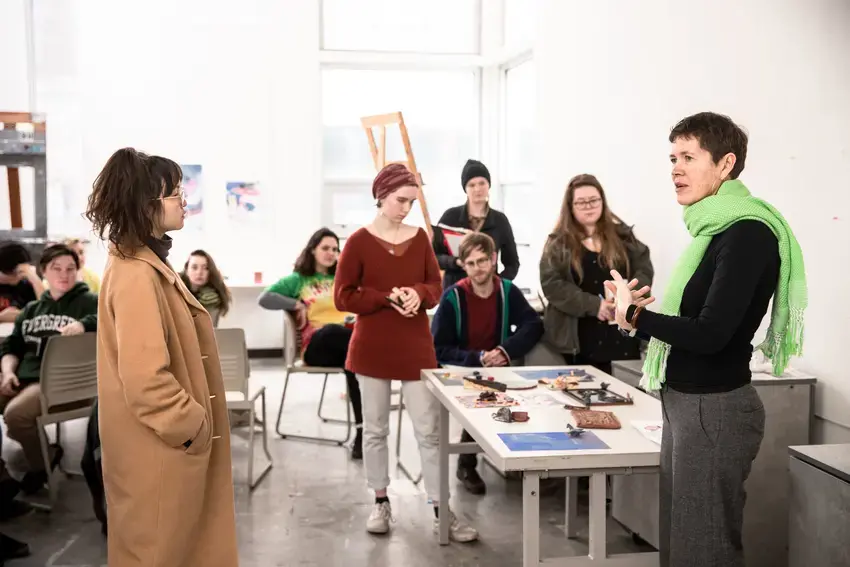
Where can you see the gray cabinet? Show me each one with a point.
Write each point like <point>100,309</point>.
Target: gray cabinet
<point>788,418</point>
<point>819,513</point>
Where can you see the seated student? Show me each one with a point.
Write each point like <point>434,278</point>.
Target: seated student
<point>69,308</point>
<point>19,282</point>
<point>309,293</point>
<point>202,278</point>
<point>470,327</point>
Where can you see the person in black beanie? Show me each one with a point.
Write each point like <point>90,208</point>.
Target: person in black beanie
<point>476,215</point>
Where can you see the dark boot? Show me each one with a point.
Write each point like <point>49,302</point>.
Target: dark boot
<point>357,446</point>
<point>472,481</point>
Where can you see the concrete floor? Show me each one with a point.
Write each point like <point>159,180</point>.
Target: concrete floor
<point>311,508</point>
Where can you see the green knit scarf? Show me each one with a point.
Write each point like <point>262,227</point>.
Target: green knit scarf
<point>712,216</point>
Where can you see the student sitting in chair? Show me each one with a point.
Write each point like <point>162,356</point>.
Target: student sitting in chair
<point>307,293</point>
<point>482,320</point>
<point>68,308</point>
<point>19,282</point>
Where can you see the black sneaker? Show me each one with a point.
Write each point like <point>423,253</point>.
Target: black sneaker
<point>12,549</point>
<point>472,481</point>
<point>357,446</point>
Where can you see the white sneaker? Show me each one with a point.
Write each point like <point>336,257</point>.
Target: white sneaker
<point>379,519</point>
<point>458,531</point>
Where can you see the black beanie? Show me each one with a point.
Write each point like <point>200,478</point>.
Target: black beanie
<point>472,169</point>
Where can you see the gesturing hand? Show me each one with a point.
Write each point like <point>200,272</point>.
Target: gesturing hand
<point>625,294</point>
<point>606,310</point>
<point>410,299</point>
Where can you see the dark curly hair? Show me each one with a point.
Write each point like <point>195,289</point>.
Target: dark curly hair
<point>306,262</point>
<point>125,198</point>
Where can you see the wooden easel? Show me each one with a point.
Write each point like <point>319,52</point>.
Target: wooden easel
<point>10,120</point>
<point>379,153</point>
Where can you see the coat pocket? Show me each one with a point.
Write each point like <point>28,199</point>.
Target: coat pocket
<point>202,440</point>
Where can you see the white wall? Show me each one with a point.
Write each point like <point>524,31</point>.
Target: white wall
<point>231,86</point>
<point>13,81</point>
<point>614,77</point>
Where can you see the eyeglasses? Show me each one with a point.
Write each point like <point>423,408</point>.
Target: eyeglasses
<point>480,263</point>
<point>180,194</point>
<point>587,204</point>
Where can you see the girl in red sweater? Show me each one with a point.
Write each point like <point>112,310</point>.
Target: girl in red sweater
<point>388,275</point>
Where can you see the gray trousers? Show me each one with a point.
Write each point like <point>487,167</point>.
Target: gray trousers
<point>708,445</point>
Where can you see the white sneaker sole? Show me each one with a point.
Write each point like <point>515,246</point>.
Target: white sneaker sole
<point>378,530</point>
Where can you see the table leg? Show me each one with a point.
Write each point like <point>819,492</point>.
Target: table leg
<point>571,507</point>
<point>598,517</point>
<point>531,519</point>
<point>444,476</point>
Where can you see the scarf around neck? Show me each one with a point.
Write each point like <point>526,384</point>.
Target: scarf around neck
<point>709,217</point>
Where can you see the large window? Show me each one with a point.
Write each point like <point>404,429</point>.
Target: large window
<point>415,26</point>
<point>520,19</point>
<point>519,162</point>
<point>440,110</point>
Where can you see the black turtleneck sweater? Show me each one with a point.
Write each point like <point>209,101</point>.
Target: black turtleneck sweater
<point>723,305</point>
<point>160,246</point>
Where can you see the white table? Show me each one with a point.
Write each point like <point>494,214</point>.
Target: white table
<point>629,453</point>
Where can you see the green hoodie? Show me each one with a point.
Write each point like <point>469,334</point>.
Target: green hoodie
<point>42,319</point>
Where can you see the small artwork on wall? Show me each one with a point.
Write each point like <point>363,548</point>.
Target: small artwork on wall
<point>193,189</point>
<point>243,199</point>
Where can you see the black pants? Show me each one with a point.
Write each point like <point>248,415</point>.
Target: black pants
<point>329,347</point>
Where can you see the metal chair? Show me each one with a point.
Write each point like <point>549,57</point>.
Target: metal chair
<point>68,382</point>
<point>294,364</point>
<point>236,371</point>
<point>399,464</point>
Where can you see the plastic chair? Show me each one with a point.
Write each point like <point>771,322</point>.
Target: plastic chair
<point>235,370</point>
<point>293,363</point>
<point>68,381</point>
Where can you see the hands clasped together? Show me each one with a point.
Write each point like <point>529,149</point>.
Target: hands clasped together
<point>625,295</point>
<point>405,300</point>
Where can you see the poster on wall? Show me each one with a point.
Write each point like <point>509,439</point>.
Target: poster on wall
<point>193,192</point>
<point>243,201</point>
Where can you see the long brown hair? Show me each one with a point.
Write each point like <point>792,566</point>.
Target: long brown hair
<point>215,280</point>
<point>124,202</point>
<point>306,262</point>
<point>569,233</point>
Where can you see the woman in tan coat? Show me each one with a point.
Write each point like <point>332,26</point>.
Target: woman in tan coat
<point>164,429</point>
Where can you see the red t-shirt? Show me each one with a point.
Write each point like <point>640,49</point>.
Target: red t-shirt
<point>384,343</point>
<point>481,318</point>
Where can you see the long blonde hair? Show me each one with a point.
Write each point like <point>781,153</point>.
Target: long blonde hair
<point>569,233</point>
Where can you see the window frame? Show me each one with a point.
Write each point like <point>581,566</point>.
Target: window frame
<point>359,53</point>
<point>333,185</point>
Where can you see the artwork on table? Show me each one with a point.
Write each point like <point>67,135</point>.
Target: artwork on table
<point>243,200</point>
<point>539,399</point>
<point>650,429</point>
<point>600,396</point>
<point>496,400</point>
<point>552,374</point>
<point>193,192</point>
<point>552,441</point>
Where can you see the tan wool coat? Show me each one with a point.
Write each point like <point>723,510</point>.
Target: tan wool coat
<point>160,386</point>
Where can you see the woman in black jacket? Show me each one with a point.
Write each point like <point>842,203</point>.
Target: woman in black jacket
<point>476,215</point>
<point>588,242</point>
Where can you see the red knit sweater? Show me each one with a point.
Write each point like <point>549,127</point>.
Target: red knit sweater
<point>386,344</point>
